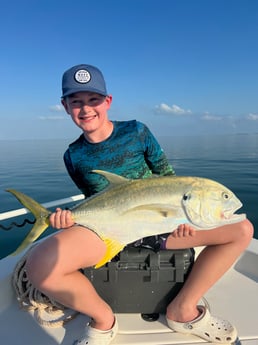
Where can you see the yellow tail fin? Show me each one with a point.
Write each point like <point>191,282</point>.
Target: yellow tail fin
<point>41,214</point>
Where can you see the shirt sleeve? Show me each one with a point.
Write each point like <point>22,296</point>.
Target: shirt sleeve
<point>154,154</point>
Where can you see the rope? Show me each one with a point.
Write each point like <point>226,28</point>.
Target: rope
<point>47,312</point>
<point>14,224</point>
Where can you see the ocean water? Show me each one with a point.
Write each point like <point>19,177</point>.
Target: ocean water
<point>36,168</point>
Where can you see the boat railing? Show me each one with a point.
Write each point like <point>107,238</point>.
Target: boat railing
<point>59,202</point>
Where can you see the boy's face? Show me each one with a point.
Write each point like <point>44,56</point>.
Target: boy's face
<point>88,110</point>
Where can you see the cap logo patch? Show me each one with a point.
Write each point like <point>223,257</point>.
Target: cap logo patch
<point>82,76</point>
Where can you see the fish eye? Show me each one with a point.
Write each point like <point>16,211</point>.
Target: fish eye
<point>186,197</point>
<point>225,195</point>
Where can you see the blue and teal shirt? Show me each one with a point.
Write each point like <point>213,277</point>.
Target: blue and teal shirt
<point>131,151</point>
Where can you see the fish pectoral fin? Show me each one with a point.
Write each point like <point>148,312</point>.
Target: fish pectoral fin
<point>113,248</point>
<point>162,210</point>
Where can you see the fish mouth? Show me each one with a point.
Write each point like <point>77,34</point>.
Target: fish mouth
<point>235,217</point>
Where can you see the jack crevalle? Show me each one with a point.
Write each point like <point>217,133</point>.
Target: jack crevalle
<point>128,210</point>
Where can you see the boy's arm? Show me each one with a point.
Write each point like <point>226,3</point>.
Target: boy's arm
<point>154,154</point>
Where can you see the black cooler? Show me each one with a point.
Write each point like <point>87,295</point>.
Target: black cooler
<point>141,280</point>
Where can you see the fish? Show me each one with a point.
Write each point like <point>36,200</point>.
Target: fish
<point>130,209</point>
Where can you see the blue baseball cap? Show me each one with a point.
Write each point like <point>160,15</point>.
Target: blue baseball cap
<point>83,78</point>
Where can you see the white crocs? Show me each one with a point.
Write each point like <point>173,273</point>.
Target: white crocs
<point>207,327</point>
<point>93,336</point>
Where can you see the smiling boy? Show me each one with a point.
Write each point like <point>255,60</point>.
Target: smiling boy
<point>129,149</point>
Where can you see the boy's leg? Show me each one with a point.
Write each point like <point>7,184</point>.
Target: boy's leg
<point>53,266</point>
<point>224,245</point>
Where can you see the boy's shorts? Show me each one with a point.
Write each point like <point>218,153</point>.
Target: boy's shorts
<point>155,243</point>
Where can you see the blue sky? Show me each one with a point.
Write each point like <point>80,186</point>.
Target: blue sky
<point>181,66</point>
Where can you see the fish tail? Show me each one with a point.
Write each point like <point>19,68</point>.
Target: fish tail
<point>42,219</point>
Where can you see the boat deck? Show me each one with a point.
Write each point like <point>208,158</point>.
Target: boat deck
<point>234,297</point>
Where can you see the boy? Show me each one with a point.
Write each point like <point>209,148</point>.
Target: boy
<point>127,148</point>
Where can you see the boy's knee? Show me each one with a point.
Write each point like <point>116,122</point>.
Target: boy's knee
<point>246,232</point>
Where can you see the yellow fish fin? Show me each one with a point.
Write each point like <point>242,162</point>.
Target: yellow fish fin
<point>41,214</point>
<point>39,227</point>
<point>113,248</point>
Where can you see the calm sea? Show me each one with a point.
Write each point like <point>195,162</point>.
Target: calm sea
<point>36,168</point>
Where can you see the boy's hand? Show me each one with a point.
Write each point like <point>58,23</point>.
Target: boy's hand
<point>61,219</point>
<point>183,230</point>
